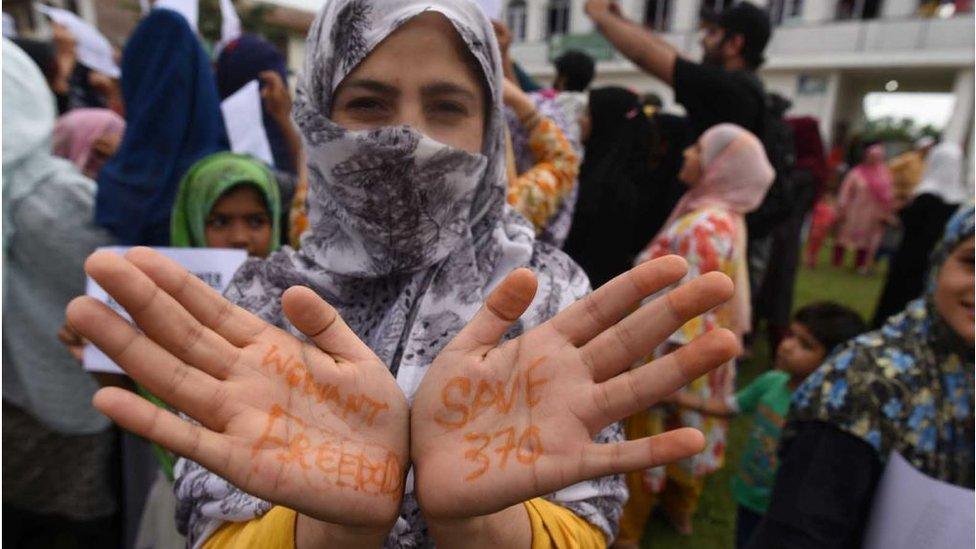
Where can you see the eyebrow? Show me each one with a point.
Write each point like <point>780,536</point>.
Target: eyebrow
<point>437,88</point>
<point>372,85</point>
<point>448,88</point>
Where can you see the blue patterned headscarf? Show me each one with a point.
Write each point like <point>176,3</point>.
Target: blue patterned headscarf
<point>906,388</point>
<point>172,119</point>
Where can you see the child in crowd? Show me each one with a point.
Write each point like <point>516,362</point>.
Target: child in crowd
<point>816,330</point>
<point>822,220</point>
<point>227,200</point>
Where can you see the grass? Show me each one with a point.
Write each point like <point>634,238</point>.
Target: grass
<point>714,523</point>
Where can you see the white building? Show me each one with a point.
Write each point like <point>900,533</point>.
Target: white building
<point>825,55</point>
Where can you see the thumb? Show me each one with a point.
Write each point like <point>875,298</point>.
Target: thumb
<point>505,304</point>
<point>321,322</point>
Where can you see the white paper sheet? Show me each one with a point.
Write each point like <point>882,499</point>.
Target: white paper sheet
<point>914,511</point>
<point>244,123</point>
<point>214,266</point>
<point>94,50</point>
<point>189,9</point>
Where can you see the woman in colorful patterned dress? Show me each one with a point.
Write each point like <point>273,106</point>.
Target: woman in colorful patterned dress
<point>727,173</point>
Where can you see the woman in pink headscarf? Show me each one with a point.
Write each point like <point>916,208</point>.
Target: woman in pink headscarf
<point>864,205</point>
<point>728,174</point>
<point>88,138</point>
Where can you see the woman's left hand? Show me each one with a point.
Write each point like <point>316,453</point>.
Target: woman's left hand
<point>495,424</point>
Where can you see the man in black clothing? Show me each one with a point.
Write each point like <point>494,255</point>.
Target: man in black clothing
<point>724,86</point>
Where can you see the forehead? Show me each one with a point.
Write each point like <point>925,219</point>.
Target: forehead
<point>425,46</point>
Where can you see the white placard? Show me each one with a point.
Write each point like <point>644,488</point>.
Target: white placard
<point>189,9</point>
<point>913,510</point>
<point>245,123</point>
<point>214,266</point>
<point>94,50</point>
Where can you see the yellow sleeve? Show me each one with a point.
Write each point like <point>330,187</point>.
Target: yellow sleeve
<point>275,530</point>
<point>555,527</point>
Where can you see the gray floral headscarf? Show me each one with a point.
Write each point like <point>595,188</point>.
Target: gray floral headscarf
<point>407,237</point>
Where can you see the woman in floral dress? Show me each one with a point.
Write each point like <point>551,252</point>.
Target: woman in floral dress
<point>727,173</point>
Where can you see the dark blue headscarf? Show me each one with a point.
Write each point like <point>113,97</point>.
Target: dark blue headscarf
<point>239,63</point>
<point>172,120</point>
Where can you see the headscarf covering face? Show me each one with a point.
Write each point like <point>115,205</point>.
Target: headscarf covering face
<point>407,236</point>
<point>77,131</point>
<point>203,186</point>
<point>906,388</point>
<point>735,177</point>
<point>943,175</point>
<point>240,62</point>
<point>173,119</point>
<point>875,172</point>
<point>39,375</point>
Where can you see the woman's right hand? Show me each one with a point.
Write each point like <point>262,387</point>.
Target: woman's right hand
<point>318,427</point>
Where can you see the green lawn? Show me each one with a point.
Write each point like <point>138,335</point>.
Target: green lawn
<point>715,522</point>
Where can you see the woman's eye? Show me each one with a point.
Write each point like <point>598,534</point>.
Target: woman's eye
<point>364,104</point>
<point>449,108</point>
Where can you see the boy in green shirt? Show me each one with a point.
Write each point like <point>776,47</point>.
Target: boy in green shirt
<point>815,331</point>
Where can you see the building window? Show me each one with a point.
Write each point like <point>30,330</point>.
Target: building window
<point>557,17</point>
<point>515,18</point>
<point>781,11</point>
<point>858,9</point>
<point>657,15</point>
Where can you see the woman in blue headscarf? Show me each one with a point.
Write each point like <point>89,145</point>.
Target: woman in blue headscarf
<point>250,58</point>
<point>172,120</point>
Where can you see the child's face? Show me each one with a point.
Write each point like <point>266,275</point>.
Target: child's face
<point>240,219</point>
<point>799,354</point>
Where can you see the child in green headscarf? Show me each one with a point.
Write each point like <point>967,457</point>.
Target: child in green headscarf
<point>227,200</point>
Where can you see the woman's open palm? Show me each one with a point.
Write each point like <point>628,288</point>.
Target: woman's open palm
<point>496,424</point>
<point>321,428</point>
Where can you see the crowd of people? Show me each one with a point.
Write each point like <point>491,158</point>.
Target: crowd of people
<point>477,310</point>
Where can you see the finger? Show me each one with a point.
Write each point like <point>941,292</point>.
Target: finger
<point>634,337</point>
<point>321,322</point>
<point>641,388</point>
<point>623,457</point>
<point>231,322</point>
<point>160,316</point>
<point>163,427</point>
<point>505,304</point>
<point>604,307</point>
<point>181,386</point>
